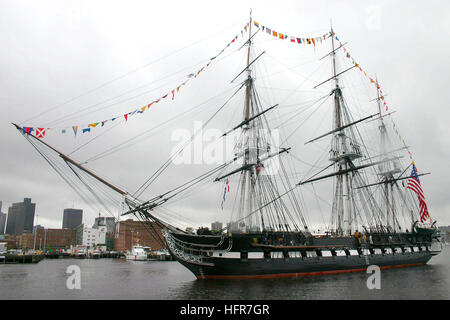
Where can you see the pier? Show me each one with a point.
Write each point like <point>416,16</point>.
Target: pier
<point>20,258</point>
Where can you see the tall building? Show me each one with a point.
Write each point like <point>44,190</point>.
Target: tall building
<point>72,218</point>
<point>217,226</point>
<point>2,220</point>
<point>108,222</point>
<point>21,217</point>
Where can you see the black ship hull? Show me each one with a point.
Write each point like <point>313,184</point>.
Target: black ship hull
<point>242,257</point>
<point>297,267</point>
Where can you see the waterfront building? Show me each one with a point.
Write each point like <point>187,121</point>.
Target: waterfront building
<point>20,217</point>
<point>147,234</point>
<point>445,233</point>
<point>37,227</point>
<point>72,218</point>
<point>10,240</point>
<point>110,224</point>
<point>216,226</point>
<point>232,226</point>
<point>91,237</point>
<point>47,239</point>
<point>27,241</point>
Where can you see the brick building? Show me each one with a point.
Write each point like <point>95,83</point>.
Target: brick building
<point>48,239</point>
<point>146,233</point>
<point>12,242</point>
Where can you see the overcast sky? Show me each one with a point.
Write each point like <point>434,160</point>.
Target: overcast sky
<point>60,57</point>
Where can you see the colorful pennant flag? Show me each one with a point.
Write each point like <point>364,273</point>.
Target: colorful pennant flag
<point>27,130</point>
<point>190,76</point>
<point>294,39</point>
<point>40,133</point>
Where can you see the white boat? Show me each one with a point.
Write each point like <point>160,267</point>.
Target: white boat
<point>95,254</point>
<point>161,255</point>
<point>80,253</point>
<point>137,253</point>
<point>3,248</point>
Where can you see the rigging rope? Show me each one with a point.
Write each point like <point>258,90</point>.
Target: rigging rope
<point>128,73</point>
<point>166,164</point>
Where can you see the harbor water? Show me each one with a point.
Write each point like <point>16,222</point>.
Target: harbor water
<point>122,279</point>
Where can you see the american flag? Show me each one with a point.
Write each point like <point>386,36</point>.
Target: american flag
<point>414,185</point>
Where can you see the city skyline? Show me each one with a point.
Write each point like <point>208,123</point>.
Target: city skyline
<point>54,224</point>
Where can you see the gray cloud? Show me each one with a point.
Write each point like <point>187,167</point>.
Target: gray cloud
<point>55,51</point>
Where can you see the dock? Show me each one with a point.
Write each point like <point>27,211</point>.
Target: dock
<point>20,258</point>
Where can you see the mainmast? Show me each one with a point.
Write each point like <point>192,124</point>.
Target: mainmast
<point>353,206</point>
<point>259,204</point>
<point>343,151</point>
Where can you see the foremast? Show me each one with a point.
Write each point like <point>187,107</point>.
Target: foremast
<point>251,148</point>
<point>259,204</point>
<point>247,177</point>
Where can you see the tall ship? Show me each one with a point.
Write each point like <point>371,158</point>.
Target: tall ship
<point>376,212</point>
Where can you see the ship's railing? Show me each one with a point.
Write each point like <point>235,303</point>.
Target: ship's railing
<point>222,238</point>
<point>185,252</point>
<point>203,250</point>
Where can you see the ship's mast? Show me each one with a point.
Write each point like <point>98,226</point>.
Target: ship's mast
<point>387,170</point>
<point>337,148</point>
<point>248,91</point>
<point>351,209</point>
<point>255,187</point>
<point>342,154</point>
<point>246,204</point>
